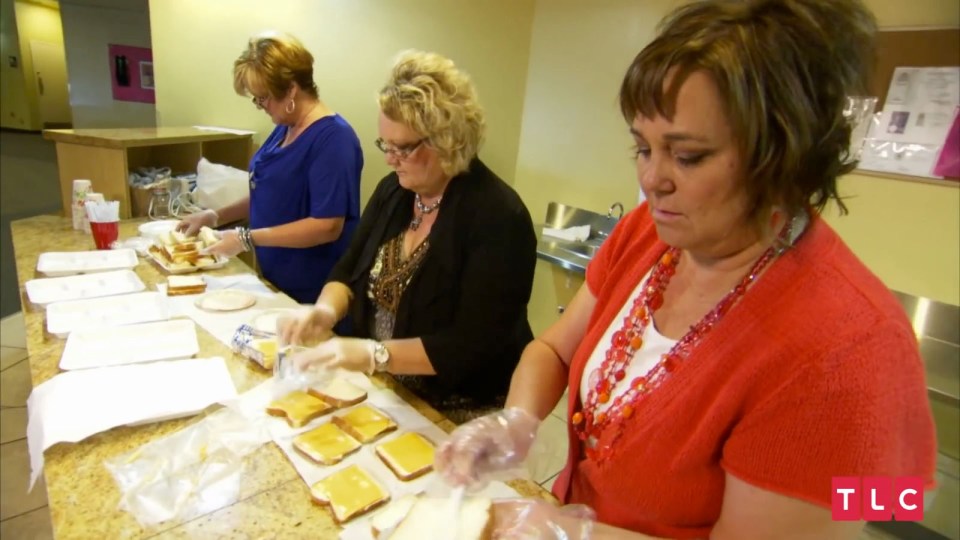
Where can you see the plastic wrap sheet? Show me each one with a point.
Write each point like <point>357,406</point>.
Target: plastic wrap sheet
<point>190,472</point>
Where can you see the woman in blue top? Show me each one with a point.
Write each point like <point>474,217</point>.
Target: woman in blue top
<point>304,201</point>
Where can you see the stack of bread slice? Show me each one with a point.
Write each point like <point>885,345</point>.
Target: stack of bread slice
<point>180,252</point>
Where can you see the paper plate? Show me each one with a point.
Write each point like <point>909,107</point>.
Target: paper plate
<point>153,229</point>
<point>267,321</point>
<point>225,300</point>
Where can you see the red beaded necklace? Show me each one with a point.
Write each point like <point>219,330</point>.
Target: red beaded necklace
<point>590,424</point>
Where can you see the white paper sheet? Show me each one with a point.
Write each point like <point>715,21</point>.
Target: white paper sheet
<point>77,404</point>
<point>222,325</point>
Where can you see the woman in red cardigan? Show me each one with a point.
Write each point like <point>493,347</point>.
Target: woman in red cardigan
<point>728,355</point>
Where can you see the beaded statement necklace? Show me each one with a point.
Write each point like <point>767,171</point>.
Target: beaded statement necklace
<point>424,210</point>
<point>588,423</point>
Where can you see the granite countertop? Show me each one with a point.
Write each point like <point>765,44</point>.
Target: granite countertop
<point>273,501</point>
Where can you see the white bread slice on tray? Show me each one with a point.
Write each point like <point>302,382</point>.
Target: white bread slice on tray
<point>326,445</point>
<point>430,518</point>
<point>340,393</point>
<point>365,423</point>
<point>298,408</point>
<point>409,456</point>
<point>349,493</point>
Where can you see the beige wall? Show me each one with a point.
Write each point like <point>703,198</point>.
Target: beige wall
<point>88,29</point>
<point>575,148</point>
<point>353,43</point>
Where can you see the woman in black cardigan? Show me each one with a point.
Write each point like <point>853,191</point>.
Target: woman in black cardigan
<point>440,270</point>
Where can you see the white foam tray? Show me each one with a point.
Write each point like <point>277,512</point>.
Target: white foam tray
<point>114,346</point>
<point>67,263</point>
<point>46,290</point>
<point>65,317</point>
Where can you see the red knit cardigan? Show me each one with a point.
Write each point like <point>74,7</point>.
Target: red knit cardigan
<point>814,373</point>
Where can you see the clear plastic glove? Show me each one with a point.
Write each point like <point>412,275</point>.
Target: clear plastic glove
<point>353,354</point>
<point>487,445</point>
<point>228,246</point>
<point>191,224</point>
<point>312,327</point>
<point>523,519</point>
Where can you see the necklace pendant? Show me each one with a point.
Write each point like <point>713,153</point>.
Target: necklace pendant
<point>416,221</point>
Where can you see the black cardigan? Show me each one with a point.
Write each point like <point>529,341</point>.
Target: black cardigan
<point>468,300</point>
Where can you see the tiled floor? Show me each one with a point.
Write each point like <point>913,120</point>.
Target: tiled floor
<point>22,514</point>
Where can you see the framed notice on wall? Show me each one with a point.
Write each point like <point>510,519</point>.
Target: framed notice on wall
<point>131,73</point>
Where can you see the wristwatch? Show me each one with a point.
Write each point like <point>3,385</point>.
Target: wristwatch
<point>381,357</point>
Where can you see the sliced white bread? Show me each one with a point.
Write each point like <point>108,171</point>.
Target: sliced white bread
<point>365,423</point>
<point>409,456</point>
<point>391,515</point>
<point>326,445</point>
<point>340,393</point>
<point>298,408</point>
<point>349,493</point>
<point>430,518</point>
<point>182,285</point>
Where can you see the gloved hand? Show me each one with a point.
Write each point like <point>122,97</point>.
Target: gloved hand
<point>314,326</point>
<point>191,224</point>
<point>486,445</point>
<point>228,246</point>
<point>354,354</point>
<point>522,519</point>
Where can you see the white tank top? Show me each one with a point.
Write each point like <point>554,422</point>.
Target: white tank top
<point>654,346</point>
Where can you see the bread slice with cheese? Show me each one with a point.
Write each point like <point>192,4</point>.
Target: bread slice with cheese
<point>340,393</point>
<point>299,408</point>
<point>349,493</point>
<point>326,445</point>
<point>409,456</point>
<point>391,515</point>
<point>430,518</point>
<point>365,423</point>
<point>182,285</point>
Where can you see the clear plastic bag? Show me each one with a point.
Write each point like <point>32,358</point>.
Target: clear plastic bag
<point>220,185</point>
<point>190,472</point>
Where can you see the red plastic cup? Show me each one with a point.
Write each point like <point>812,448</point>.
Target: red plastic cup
<point>105,234</point>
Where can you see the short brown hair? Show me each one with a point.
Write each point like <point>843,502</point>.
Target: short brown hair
<point>271,64</point>
<point>783,69</point>
<point>430,95</point>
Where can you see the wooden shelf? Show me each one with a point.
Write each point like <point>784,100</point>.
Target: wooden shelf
<point>106,157</point>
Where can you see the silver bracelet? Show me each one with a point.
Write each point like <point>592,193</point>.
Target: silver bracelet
<point>246,241</point>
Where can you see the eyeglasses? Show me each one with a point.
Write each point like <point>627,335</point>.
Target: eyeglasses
<point>259,101</point>
<point>400,152</point>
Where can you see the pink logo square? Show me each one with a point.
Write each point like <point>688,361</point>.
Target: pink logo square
<point>877,498</point>
<point>845,498</point>
<point>907,500</point>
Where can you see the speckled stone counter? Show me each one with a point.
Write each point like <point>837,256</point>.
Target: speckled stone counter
<point>273,501</point>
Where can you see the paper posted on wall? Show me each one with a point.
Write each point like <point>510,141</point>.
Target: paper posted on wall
<point>908,134</point>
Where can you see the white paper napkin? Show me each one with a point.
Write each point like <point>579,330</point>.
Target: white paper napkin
<point>570,234</point>
<point>77,404</point>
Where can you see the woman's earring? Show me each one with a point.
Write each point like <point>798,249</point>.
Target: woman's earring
<point>292,106</point>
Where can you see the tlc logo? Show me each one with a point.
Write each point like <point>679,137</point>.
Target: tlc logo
<point>877,498</point>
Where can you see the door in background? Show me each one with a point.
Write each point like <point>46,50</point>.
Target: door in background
<point>50,72</point>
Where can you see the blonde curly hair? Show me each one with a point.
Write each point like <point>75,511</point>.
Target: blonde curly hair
<point>427,93</point>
